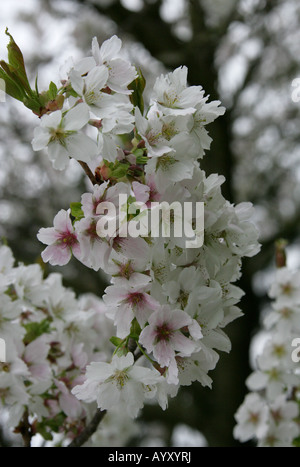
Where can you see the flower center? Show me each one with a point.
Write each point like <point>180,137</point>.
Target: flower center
<point>135,298</point>
<point>68,239</point>
<point>120,377</point>
<point>163,333</point>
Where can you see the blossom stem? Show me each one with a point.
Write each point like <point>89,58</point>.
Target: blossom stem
<point>88,431</point>
<point>146,355</point>
<point>89,173</point>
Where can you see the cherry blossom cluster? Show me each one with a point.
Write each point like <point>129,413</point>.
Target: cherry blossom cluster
<point>50,337</point>
<point>169,303</point>
<point>270,412</point>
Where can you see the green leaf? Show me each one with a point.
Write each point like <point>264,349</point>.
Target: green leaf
<point>52,93</point>
<point>32,104</point>
<point>16,62</point>
<point>11,88</point>
<point>56,422</point>
<point>138,86</point>
<point>42,430</point>
<point>76,211</point>
<point>34,330</point>
<point>296,442</point>
<point>135,330</point>
<point>116,341</point>
<point>120,171</point>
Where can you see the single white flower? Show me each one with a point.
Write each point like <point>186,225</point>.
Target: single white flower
<point>120,384</point>
<point>59,133</point>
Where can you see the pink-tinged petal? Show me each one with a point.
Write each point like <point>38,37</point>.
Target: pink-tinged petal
<point>114,295</point>
<point>123,319</point>
<point>62,221</point>
<point>79,357</point>
<point>81,147</point>
<point>47,235</point>
<point>141,192</point>
<point>183,344</point>
<point>132,248</point>
<point>151,302</point>
<point>58,155</point>
<point>76,250</point>
<point>110,48</point>
<point>163,353</point>
<point>77,117</point>
<point>41,371</point>
<point>147,337</point>
<point>36,351</point>
<point>56,255</point>
<point>142,314</point>
<point>70,405</point>
<point>177,319</point>
<point>53,407</point>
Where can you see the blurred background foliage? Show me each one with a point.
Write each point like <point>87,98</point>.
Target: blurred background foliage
<point>243,52</point>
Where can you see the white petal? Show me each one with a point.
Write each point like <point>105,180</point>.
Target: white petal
<point>41,138</point>
<point>96,51</point>
<point>52,120</point>
<point>58,156</point>
<point>97,78</point>
<point>81,147</point>
<point>110,48</point>
<point>77,117</point>
<point>77,81</point>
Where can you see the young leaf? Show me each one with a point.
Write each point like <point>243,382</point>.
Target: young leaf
<point>52,93</point>
<point>76,211</point>
<point>16,62</point>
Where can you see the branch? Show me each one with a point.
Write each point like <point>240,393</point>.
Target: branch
<point>25,429</point>
<point>88,431</point>
<point>88,172</point>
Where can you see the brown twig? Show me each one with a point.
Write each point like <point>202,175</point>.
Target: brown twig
<point>25,429</point>
<point>88,431</point>
<point>280,253</point>
<point>89,173</point>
